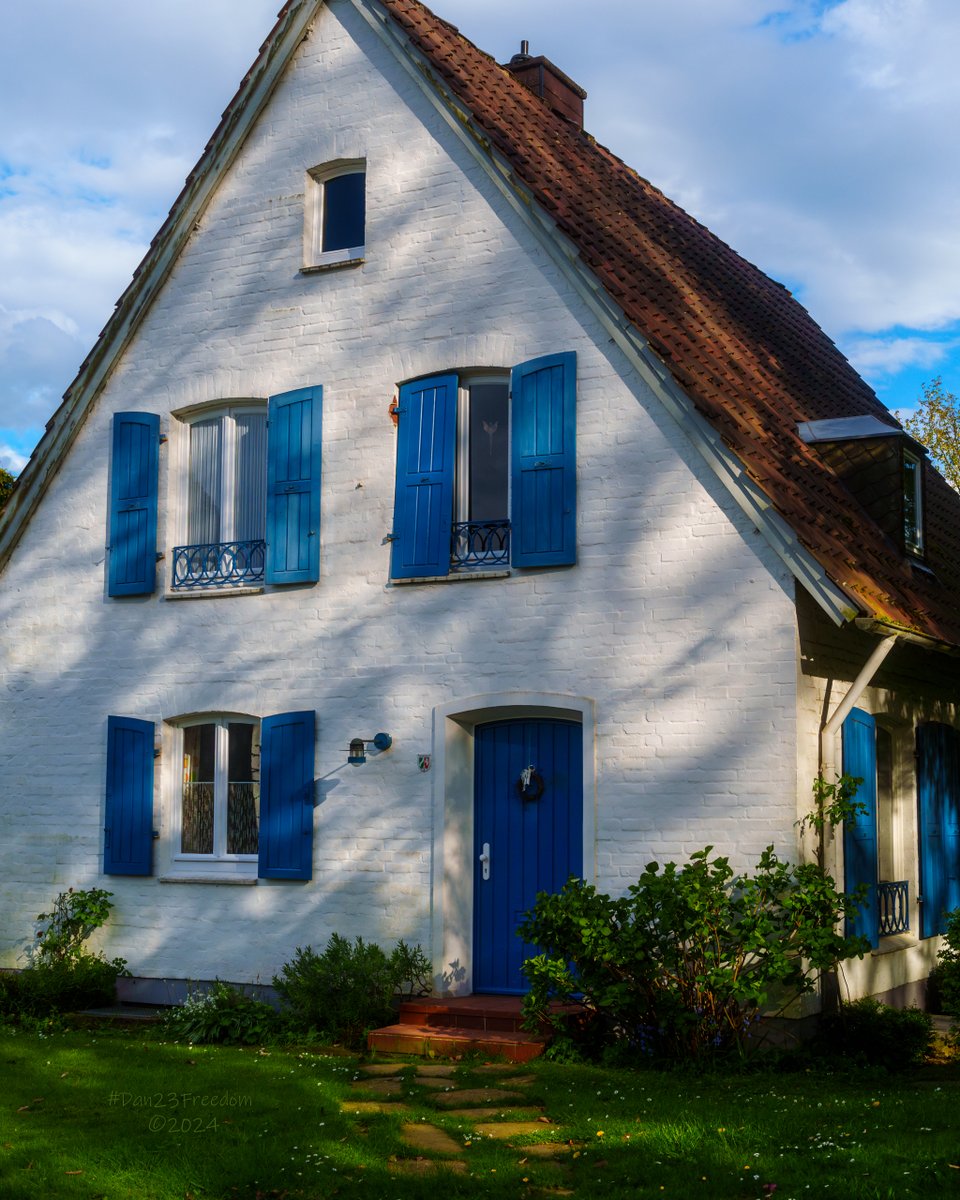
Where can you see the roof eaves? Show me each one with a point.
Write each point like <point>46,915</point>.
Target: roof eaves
<point>292,25</point>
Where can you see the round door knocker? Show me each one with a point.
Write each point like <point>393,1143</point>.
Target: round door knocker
<point>530,785</point>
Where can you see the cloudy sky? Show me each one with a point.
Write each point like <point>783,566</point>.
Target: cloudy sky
<point>818,137</point>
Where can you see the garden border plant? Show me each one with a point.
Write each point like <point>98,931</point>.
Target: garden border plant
<point>682,966</point>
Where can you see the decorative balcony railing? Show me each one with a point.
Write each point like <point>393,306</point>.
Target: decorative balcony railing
<point>480,543</point>
<point>893,904</point>
<point>218,564</point>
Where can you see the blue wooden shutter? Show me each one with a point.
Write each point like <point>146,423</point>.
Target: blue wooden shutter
<point>135,469</point>
<point>286,796</point>
<point>860,834</point>
<point>426,450</point>
<point>543,467</point>
<point>128,823</point>
<point>938,788</point>
<point>293,486</point>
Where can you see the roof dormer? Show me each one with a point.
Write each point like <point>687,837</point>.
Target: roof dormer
<point>882,466</point>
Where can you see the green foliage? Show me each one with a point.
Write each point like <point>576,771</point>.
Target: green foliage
<point>6,486</point>
<point>75,916</point>
<point>222,1015</point>
<point>871,1034</point>
<point>948,968</point>
<point>682,966</point>
<point>834,803</point>
<point>63,976</point>
<point>350,987</point>
<point>936,423</point>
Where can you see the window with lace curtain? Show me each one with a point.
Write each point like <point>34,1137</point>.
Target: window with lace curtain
<point>219,806</point>
<point>225,501</point>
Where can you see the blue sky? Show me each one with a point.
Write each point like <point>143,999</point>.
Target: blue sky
<point>817,137</point>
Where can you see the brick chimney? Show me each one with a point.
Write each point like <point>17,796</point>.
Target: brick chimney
<point>549,83</point>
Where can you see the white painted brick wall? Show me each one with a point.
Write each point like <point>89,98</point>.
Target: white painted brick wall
<point>677,623</point>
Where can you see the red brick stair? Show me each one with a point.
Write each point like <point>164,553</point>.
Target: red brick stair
<point>451,1027</point>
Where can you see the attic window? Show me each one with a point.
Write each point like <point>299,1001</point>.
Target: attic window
<point>912,502</point>
<point>335,214</point>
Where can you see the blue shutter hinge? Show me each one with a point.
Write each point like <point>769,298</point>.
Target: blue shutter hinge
<point>160,556</point>
<point>392,537</point>
<point>156,835</point>
<point>163,439</point>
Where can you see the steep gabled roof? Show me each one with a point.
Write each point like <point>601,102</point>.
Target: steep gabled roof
<point>749,358</point>
<point>752,360</point>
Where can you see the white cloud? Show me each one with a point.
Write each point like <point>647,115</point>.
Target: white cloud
<point>12,460</point>
<point>876,357</point>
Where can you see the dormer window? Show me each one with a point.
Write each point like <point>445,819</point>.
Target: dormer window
<point>912,502</point>
<point>335,214</point>
<point>882,466</point>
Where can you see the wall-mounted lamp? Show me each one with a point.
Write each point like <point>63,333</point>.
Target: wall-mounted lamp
<point>357,754</point>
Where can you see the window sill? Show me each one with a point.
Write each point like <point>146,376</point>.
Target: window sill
<point>897,941</point>
<point>211,593</point>
<point>454,577</point>
<point>333,265</point>
<point>229,880</point>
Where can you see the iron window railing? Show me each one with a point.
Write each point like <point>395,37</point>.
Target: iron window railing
<point>218,564</point>
<point>894,907</point>
<point>480,543</point>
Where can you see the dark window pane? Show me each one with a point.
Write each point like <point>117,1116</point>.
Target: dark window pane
<point>243,790</point>
<point>250,513</point>
<point>343,212</point>
<point>199,758</point>
<point>489,459</point>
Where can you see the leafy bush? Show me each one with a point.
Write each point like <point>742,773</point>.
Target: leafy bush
<point>682,967</point>
<point>222,1015</point>
<point>63,975</point>
<point>872,1034</point>
<point>948,968</point>
<point>350,987</point>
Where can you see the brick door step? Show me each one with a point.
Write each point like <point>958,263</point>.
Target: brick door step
<point>455,1041</point>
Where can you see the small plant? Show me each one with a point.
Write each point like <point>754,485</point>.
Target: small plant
<point>683,966</point>
<point>222,1015</point>
<point>833,804</point>
<point>872,1034</point>
<point>75,916</point>
<point>63,975</point>
<point>350,987</point>
<point>947,973</point>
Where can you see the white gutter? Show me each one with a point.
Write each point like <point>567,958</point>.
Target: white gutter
<point>828,757</point>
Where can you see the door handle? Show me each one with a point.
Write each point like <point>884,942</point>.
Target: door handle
<point>485,860</point>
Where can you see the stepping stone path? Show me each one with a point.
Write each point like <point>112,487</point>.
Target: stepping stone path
<point>380,1087</point>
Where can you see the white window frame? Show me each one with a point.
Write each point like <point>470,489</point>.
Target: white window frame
<point>219,860</point>
<point>915,544</point>
<point>461,492</point>
<point>227,410</point>
<point>318,177</point>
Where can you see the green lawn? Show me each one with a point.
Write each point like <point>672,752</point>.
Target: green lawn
<point>115,1114</point>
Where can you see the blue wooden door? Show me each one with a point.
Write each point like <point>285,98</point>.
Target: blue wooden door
<point>530,822</point>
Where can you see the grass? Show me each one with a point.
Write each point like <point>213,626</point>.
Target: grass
<point>112,1114</point>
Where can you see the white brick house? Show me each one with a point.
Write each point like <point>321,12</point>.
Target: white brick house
<point>424,415</point>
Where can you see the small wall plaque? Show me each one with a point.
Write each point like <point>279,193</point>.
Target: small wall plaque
<point>423,762</point>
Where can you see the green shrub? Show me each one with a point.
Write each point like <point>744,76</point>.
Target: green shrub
<point>222,1015</point>
<point>871,1034</point>
<point>350,987</point>
<point>948,968</point>
<point>63,976</point>
<point>682,967</point>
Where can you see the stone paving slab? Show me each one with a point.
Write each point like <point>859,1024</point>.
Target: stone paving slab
<point>426,1166</point>
<point>429,1139</point>
<point>379,1087</point>
<point>440,1070</point>
<point>434,1085</point>
<point>507,1129</point>
<point>545,1149</point>
<point>495,1068</point>
<point>385,1068</point>
<point>518,1081</point>
<point>365,1107</point>
<point>484,1114</point>
<point>469,1096</point>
